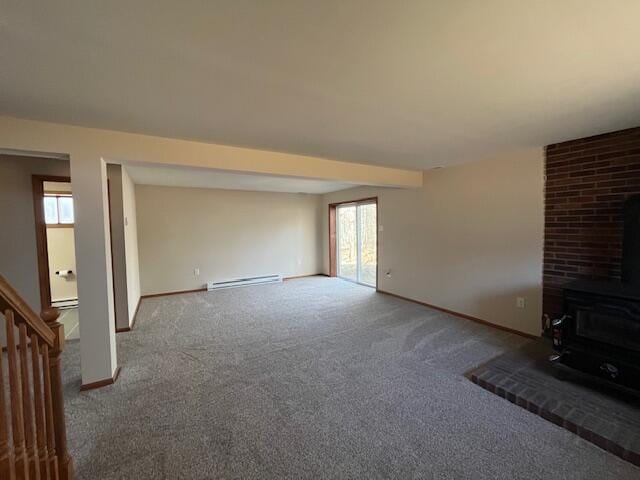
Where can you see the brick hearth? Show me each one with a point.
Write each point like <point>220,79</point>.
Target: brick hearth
<point>604,414</point>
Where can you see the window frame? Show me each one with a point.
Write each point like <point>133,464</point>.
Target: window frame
<point>58,196</point>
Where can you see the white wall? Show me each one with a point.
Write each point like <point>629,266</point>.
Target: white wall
<point>470,240</point>
<point>95,277</point>
<point>62,256</point>
<point>131,243</point>
<point>225,233</point>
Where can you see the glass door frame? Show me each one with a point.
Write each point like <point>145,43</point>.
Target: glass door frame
<point>334,267</point>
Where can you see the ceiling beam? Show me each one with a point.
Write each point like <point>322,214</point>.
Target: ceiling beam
<point>114,146</point>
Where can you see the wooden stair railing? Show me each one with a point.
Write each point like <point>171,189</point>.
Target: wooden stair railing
<point>33,439</point>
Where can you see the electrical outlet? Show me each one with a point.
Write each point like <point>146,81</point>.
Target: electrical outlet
<point>196,271</point>
<point>520,303</point>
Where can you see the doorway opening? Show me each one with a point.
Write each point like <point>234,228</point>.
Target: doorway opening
<point>55,218</point>
<point>353,241</point>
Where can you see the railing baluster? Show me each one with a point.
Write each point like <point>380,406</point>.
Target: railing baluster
<point>65,462</point>
<point>33,443</point>
<point>7,466</point>
<point>22,473</point>
<point>48,414</point>
<point>39,408</point>
<point>27,406</point>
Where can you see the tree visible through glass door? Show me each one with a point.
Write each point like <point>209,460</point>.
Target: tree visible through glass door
<point>368,243</point>
<point>357,242</point>
<point>348,242</point>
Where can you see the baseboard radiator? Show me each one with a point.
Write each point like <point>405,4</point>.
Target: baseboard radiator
<point>244,282</point>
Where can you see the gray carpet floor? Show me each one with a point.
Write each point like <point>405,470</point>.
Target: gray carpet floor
<point>313,378</point>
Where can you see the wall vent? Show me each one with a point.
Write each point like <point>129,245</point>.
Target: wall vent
<point>243,282</point>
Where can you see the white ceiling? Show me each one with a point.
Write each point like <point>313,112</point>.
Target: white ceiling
<point>412,83</point>
<point>206,178</point>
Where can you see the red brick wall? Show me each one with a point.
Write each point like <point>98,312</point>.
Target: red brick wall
<point>587,181</point>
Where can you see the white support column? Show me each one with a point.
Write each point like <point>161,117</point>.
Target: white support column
<point>93,262</point>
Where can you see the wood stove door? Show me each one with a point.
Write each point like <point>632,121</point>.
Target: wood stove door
<point>613,325</point>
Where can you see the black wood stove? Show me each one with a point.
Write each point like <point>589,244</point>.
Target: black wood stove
<point>600,330</point>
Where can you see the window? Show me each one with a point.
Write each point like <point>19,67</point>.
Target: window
<point>58,209</point>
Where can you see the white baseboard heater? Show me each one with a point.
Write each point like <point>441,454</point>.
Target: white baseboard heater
<point>243,282</point>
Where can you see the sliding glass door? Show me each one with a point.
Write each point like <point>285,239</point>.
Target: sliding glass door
<point>348,242</point>
<point>356,226</point>
<point>368,243</point>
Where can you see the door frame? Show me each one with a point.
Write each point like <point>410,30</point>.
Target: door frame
<point>37,182</point>
<point>333,257</point>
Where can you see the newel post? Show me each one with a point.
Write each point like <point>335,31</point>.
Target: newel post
<point>65,463</point>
